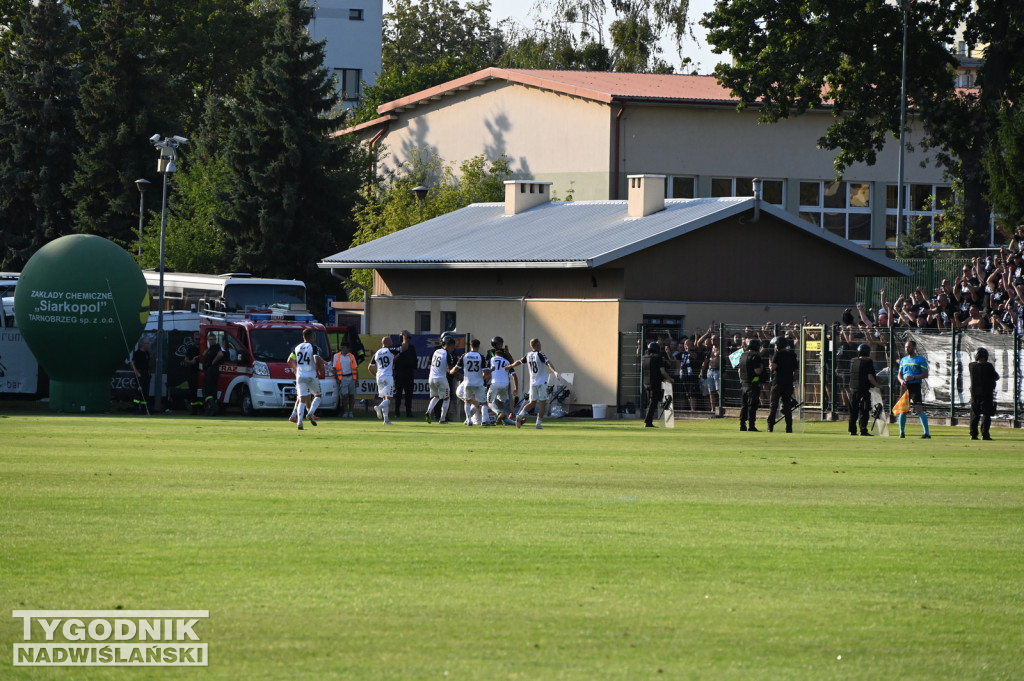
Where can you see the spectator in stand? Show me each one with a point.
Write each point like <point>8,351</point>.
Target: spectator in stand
<point>690,361</point>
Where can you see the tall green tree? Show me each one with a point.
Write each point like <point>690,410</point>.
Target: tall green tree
<point>38,90</point>
<point>429,42</point>
<point>612,35</point>
<point>791,56</point>
<point>389,205</point>
<point>124,100</point>
<point>1005,163</point>
<point>292,185</point>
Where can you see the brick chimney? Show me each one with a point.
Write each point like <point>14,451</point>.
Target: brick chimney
<point>646,195</point>
<point>521,195</point>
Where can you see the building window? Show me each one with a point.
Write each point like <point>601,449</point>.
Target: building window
<point>350,81</point>
<point>772,191</point>
<point>683,188</point>
<point>355,15</point>
<point>447,321</point>
<point>843,208</point>
<point>423,321</point>
<point>922,205</point>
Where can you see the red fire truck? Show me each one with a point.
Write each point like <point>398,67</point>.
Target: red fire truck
<point>255,375</point>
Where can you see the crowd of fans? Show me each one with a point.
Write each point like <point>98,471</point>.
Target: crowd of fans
<point>987,296</point>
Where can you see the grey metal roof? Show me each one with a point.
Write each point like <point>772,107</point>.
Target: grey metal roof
<point>555,234</point>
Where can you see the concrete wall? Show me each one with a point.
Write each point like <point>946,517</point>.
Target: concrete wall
<point>578,336</point>
<point>726,143</point>
<point>547,136</point>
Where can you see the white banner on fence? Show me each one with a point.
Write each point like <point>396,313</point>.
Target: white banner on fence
<point>19,371</point>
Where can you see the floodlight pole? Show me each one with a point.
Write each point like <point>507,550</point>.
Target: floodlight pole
<point>165,165</point>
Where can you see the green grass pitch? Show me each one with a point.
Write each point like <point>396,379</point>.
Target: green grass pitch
<point>586,551</point>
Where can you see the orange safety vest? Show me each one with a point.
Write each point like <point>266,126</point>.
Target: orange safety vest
<point>352,362</point>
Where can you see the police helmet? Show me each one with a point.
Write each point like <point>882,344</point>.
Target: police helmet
<point>776,341</point>
<point>980,354</point>
<point>497,342</point>
<point>863,350</point>
<point>753,344</point>
<point>653,347</point>
<point>785,343</point>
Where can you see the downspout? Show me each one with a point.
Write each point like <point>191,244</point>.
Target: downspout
<point>367,295</point>
<point>373,143</point>
<point>618,144</point>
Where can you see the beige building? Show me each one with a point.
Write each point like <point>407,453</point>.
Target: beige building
<point>576,274</point>
<point>585,132</point>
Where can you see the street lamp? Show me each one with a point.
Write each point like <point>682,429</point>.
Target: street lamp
<point>904,6</point>
<point>168,148</point>
<point>143,185</point>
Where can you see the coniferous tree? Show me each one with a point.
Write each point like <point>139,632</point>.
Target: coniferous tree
<point>293,185</point>
<point>123,97</point>
<point>38,83</point>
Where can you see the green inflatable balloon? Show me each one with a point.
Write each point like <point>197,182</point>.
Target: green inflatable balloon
<point>81,304</point>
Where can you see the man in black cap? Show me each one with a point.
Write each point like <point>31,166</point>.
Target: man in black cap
<point>862,379</point>
<point>783,371</point>
<point>750,369</point>
<point>983,390</point>
<point>653,374</point>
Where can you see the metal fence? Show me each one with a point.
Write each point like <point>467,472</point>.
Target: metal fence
<point>825,354</point>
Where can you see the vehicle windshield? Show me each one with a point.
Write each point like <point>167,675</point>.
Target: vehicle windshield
<point>242,296</point>
<point>275,345</point>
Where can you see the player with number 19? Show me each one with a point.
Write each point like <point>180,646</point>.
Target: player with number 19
<point>382,366</point>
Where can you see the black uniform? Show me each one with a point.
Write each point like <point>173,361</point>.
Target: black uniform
<point>652,366</point>
<point>192,371</point>
<point>983,402</point>
<point>750,388</point>
<point>211,377</point>
<point>405,367</point>
<point>860,393</point>
<point>782,388</point>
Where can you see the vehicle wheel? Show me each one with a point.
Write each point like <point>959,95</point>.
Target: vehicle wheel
<point>245,403</point>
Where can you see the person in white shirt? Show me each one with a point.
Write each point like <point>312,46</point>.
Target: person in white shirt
<point>472,365</point>
<point>305,361</point>
<point>498,398</point>
<point>382,366</point>
<point>537,364</point>
<point>442,363</point>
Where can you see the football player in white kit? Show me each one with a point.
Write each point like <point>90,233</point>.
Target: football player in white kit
<point>498,398</point>
<point>305,361</point>
<point>538,364</point>
<point>472,364</point>
<point>382,366</point>
<point>442,363</point>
